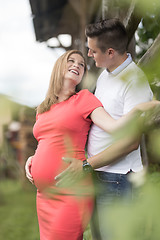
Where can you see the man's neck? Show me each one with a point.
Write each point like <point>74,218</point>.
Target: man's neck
<point>119,59</point>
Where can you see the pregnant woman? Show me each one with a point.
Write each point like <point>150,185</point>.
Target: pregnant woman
<point>63,115</point>
<point>62,123</point>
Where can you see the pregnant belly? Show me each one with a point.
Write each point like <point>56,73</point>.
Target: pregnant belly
<point>45,166</point>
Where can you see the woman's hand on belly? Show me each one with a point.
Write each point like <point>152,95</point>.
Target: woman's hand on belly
<point>28,169</point>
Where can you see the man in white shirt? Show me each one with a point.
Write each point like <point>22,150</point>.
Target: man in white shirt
<point>120,87</point>
<point>119,91</point>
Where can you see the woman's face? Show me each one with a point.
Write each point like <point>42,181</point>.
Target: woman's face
<point>75,68</point>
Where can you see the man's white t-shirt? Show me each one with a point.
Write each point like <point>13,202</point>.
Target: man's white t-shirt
<point>119,92</point>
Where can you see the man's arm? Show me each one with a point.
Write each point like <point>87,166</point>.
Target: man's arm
<point>127,141</point>
<point>114,152</point>
<point>121,147</point>
<point>104,120</point>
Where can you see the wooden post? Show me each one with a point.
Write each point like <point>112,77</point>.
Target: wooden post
<point>104,8</point>
<point>80,6</point>
<point>83,23</point>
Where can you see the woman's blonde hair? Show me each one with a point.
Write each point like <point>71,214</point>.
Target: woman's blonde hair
<point>56,80</point>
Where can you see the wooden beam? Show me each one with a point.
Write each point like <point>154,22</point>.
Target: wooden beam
<point>151,53</point>
<point>132,20</point>
<point>76,4</point>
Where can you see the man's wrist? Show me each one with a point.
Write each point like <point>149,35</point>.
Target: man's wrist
<point>87,168</point>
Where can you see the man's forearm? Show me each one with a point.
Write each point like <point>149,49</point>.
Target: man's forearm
<point>114,152</point>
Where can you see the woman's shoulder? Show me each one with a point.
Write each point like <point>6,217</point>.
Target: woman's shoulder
<point>84,92</point>
<point>86,102</point>
<point>87,97</point>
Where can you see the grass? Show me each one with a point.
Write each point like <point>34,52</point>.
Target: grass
<point>18,218</point>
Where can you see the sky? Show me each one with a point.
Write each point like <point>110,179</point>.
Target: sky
<point>26,64</point>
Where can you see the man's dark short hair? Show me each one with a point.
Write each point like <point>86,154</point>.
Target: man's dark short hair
<point>110,33</point>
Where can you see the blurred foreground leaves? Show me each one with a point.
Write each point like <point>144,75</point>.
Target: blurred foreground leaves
<point>138,220</point>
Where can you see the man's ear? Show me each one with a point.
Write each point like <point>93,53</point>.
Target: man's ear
<point>110,51</point>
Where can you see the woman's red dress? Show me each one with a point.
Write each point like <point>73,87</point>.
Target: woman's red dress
<point>62,132</point>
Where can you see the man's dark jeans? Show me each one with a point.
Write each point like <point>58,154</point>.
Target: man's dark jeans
<point>110,187</point>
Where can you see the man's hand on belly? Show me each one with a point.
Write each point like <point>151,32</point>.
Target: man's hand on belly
<point>73,178</point>
<point>71,174</point>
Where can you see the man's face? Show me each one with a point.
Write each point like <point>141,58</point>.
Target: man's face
<point>100,58</point>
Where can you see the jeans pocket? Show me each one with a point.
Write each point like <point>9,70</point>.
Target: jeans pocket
<point>107,178</point>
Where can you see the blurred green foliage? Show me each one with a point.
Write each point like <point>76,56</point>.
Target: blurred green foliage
<point>146,6</point>
<point>140,219</point>
<point>149,27</point>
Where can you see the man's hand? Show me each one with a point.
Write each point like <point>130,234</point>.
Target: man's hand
<point>27,169</point>
<point>72,174</point>
<point>151,118</point>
